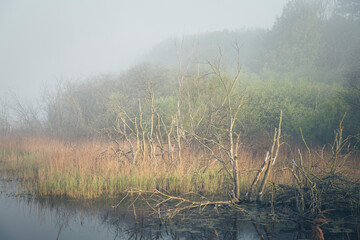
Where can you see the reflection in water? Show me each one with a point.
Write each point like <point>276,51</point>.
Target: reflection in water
<point>28,218</point>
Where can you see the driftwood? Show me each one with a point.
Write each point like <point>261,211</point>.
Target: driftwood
<point>167,206</point>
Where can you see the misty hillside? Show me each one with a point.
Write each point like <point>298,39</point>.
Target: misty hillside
<point>307,65</point>
<point>205,47</point>
<point>307,37</point>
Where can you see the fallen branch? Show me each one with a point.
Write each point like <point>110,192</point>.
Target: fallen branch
<point>167,206</point>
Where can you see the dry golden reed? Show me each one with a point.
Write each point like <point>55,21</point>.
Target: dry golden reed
<point>92,169</point>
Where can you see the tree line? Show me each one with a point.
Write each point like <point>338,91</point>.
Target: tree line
<point>306,65</point>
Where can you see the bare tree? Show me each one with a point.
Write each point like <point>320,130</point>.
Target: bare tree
<point>4,117</point>
<point>230,145</point>
<point>27,115</point>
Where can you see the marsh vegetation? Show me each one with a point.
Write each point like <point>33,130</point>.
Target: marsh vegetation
<point>278,125</point>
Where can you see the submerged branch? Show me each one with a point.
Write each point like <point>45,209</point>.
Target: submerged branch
<point>167,206</point>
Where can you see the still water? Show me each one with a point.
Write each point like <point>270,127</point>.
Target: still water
<point>25,217</point>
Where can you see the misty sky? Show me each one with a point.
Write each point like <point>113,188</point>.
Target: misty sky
<point>45,40</point>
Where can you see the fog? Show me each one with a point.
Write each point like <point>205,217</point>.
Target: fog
<point>44,41</point>
<point>99,97</point>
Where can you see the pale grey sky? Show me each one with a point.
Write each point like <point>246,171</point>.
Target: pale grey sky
<point>42,40</point>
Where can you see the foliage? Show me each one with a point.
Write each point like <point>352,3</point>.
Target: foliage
<point>305,65</point>
<point>315,107</point>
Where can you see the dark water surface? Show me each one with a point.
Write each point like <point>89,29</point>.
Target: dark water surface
<point>24,217</point>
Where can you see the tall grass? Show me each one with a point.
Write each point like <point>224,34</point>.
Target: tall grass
<point>90,169</point>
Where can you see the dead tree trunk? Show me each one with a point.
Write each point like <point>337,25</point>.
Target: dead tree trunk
<point>269,162</point>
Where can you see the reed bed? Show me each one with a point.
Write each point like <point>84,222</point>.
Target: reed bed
<point>92,169</point>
